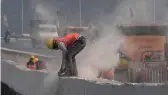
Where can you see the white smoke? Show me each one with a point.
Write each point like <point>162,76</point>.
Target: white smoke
<point>102,55</point>
<point>44,12</point>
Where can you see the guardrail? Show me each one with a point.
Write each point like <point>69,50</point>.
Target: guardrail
<point>19,36</point>
<point>149,72</point>
<point>11,51</point>
<point>22,56</point>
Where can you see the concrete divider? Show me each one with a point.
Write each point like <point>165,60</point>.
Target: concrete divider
<point>71,86</point>
<point>22,56</point>
<point>20,78</point>
<point>31,83</point>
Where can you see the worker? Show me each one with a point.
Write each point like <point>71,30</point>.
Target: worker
<point>106,74</point>
<point>7,36</point>
<point>31,63</point>
<point>70,45</point>
<point>35,60</point>
<point>40,64</point>
<point>109,75</point>
<point>30,60</point>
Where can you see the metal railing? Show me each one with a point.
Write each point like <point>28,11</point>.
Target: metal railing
<point>149,72</point>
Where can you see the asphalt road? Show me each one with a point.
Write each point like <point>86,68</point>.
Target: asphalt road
<point>25,45</point>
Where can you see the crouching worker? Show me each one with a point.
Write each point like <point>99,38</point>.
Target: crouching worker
<point>36,64</point>
<point>71,45</point>
<point>107,74</point>
<point>40,64</point>
<point>31,63</point>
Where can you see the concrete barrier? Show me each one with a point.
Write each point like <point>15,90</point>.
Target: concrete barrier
<point>22,56</point>
<point>70,86</point>
<point>6,90</point>
<point>20,78</point>
<point>34,83</point>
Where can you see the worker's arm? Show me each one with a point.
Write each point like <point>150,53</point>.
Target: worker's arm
<point>62,46</point>
<point>63,62</point>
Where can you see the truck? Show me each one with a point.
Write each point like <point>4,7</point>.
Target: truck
<point>143,53</point>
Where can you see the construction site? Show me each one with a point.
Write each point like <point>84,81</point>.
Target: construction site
<point>123,47</point>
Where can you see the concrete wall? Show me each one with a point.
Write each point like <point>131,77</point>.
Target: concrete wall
<point>83,87</point>
<point>47,83</point>
<point>22,79</point>
<point>6,90</point>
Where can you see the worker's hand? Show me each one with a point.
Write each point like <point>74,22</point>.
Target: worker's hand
<point>62,46</point>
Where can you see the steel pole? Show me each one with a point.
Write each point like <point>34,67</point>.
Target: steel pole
<point>22,15</point>
<point>80,14</point>
<point>154,13</point>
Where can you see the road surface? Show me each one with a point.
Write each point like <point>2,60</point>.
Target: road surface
<point>25,45</point>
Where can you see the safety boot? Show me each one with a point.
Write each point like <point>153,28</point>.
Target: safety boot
<point>65,73</point>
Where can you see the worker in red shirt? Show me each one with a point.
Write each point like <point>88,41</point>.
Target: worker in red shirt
<point>71,45</point>
<point>31,64</point>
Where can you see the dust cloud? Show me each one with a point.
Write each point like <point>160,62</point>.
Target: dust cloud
<point>48,14</point>
<point>44,13</point>
<point>103,54</point>
<point>100,56</point>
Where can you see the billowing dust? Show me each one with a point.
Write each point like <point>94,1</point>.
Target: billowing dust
<point>103,55</point>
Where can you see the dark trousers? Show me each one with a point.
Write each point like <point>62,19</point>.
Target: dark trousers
<point>68,66</point>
